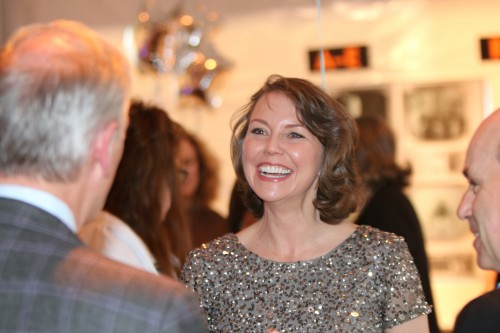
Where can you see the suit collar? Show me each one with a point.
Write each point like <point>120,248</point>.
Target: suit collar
<point>40,199</point>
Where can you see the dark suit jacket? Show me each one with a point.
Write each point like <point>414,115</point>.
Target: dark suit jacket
<point>481,315</point>
<point>50,282</point>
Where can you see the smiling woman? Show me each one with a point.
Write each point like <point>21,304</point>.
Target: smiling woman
<point>319,118</point>
<point>303,267</point>
<point>281,157</point>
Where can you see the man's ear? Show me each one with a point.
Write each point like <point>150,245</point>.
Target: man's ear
<point>105,146</point>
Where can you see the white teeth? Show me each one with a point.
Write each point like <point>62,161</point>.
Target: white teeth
<point>274,170</point>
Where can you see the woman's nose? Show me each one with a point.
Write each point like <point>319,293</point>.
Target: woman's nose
<point>273,145</point>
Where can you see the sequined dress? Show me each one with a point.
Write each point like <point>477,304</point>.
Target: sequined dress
<point>366,284</point>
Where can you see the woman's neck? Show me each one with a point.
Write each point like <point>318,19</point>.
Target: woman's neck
<point>295,239</point>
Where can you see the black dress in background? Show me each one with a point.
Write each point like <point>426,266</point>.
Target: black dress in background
<point>206,225</point>
<point>390,210</point>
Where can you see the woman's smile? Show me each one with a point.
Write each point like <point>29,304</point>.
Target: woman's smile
<point>274,171</point>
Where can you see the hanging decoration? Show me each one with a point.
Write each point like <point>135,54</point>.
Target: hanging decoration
<point>178,42</point>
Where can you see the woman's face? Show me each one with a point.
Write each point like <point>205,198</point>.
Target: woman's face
<point>187,160</point>
<point>281,157</point>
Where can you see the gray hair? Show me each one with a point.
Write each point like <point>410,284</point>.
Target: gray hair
<point>59,83</point>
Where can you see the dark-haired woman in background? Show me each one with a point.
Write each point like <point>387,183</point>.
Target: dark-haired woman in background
<point>199,187</point>
<point>142,224</point>
<point>387,207</point>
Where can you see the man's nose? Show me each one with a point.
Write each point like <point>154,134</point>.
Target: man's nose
<point>464,208</point>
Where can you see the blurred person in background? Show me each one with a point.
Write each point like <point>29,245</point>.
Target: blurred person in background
<point>239,216</point>
<point>142,224</point>
<point>199,187</point>
<point>386,206</point>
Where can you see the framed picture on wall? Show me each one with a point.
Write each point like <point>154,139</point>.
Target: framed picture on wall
<point>438,120</point>
<point>448,239</point>
<point>436,207</point>
<point>367,101</point>
<point>436,112</point>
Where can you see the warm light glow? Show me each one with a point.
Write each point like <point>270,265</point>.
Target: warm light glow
<point>210,64</point>
<point>187,20</point>
<point>143,17</point>
<point>199,58</point>
<point>212,16</point>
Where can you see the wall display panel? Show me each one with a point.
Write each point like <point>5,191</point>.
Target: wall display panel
<point>433,123</point>
<point>448,239</point>
<point>438,120</point>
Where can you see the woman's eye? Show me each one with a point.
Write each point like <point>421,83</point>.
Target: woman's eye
<point>257,131</point>
<point>295,135</point>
